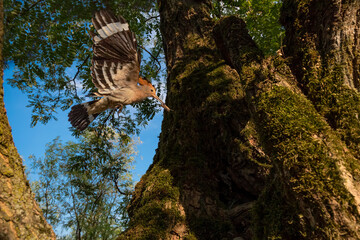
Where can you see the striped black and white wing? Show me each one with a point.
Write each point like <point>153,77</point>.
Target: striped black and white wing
<point>116,61</point>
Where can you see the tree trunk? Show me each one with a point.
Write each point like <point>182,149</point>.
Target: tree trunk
<point>313,191</point>
<point>259,152</point>
<point>20,216</point>
<point>322,44</point>
<point>208,169</point>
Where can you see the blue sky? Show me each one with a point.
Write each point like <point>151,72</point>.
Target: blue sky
<point>33,140</point>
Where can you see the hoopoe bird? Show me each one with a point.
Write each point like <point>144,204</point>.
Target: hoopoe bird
<point>115,70</point>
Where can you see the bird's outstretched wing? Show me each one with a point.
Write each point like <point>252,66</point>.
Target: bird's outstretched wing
<point>116,61</point>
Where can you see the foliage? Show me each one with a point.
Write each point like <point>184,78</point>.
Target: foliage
<point>49,43</point>
<point>261,17</point>
<point>81,185</point>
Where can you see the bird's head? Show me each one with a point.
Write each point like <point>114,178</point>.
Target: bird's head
<point>150,91</point>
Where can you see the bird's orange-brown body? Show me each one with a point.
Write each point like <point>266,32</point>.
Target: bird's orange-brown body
<point>115,70</point>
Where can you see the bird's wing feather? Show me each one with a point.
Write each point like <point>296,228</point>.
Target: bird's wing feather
<point>108,76</point>
<point>116,61</point>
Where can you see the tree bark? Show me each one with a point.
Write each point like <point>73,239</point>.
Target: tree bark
<point>322,45</point>
<point>208,169</point>
<point>20,216</point>
<point>312,190</point>
<point>269,151</point>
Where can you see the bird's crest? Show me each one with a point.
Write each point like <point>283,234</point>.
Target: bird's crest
<point>144,81</point>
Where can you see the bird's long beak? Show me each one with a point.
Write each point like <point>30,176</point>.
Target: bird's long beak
<point>162,103</point>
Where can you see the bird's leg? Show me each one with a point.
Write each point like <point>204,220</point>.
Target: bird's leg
<point>119,108</point>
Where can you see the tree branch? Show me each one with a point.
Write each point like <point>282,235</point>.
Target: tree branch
<point>118,189</point>
<point>78,227</point>
<point>23,12</point>
<point>152,17</point>
<point>153,58</point>
<point>77,73</point>
<point>32,5</point>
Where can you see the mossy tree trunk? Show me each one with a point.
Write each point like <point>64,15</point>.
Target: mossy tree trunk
<point>313,190</point>
<point>255,147</point>
<point>322,44</point>
<point>20,216</point>
<point>208,169</point>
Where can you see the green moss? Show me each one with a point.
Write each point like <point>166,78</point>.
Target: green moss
<point>321,75</point>
<point>155,221</point>
<point>6,171</point>
<point>324,85</point>
<point>294,134</point>
<point>274,218</point>
<point>249,141</point>
<point>157,210</point>
<point>190,236</point>
<point>339,104</point>
<point>159,186</point>
<point>198,136</point>
<point>293,129</point>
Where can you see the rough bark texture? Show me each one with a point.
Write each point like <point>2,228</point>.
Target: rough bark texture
<point>269,151</point>
<point>208,169</point>
<point>322,45</point>
<point>20,216</point>
<point>309,193</point>
<point>313,190</point>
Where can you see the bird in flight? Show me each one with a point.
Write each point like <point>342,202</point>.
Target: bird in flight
<point>115,70</point>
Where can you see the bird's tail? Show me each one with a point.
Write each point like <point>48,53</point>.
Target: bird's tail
<point>79,116</point>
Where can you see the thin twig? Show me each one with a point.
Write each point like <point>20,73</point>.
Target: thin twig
<point>78,227</point>
<point>57,100</point>
<point>121,192</point>
<point>153,58</point>
<point>28,9</point>
<point>33,5</point>
<point>77,73</point>
<point>107,118</point>
<point>102,126</point>
<point>152,18</point>
<point>23,12</point>
<point>157,57</point>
